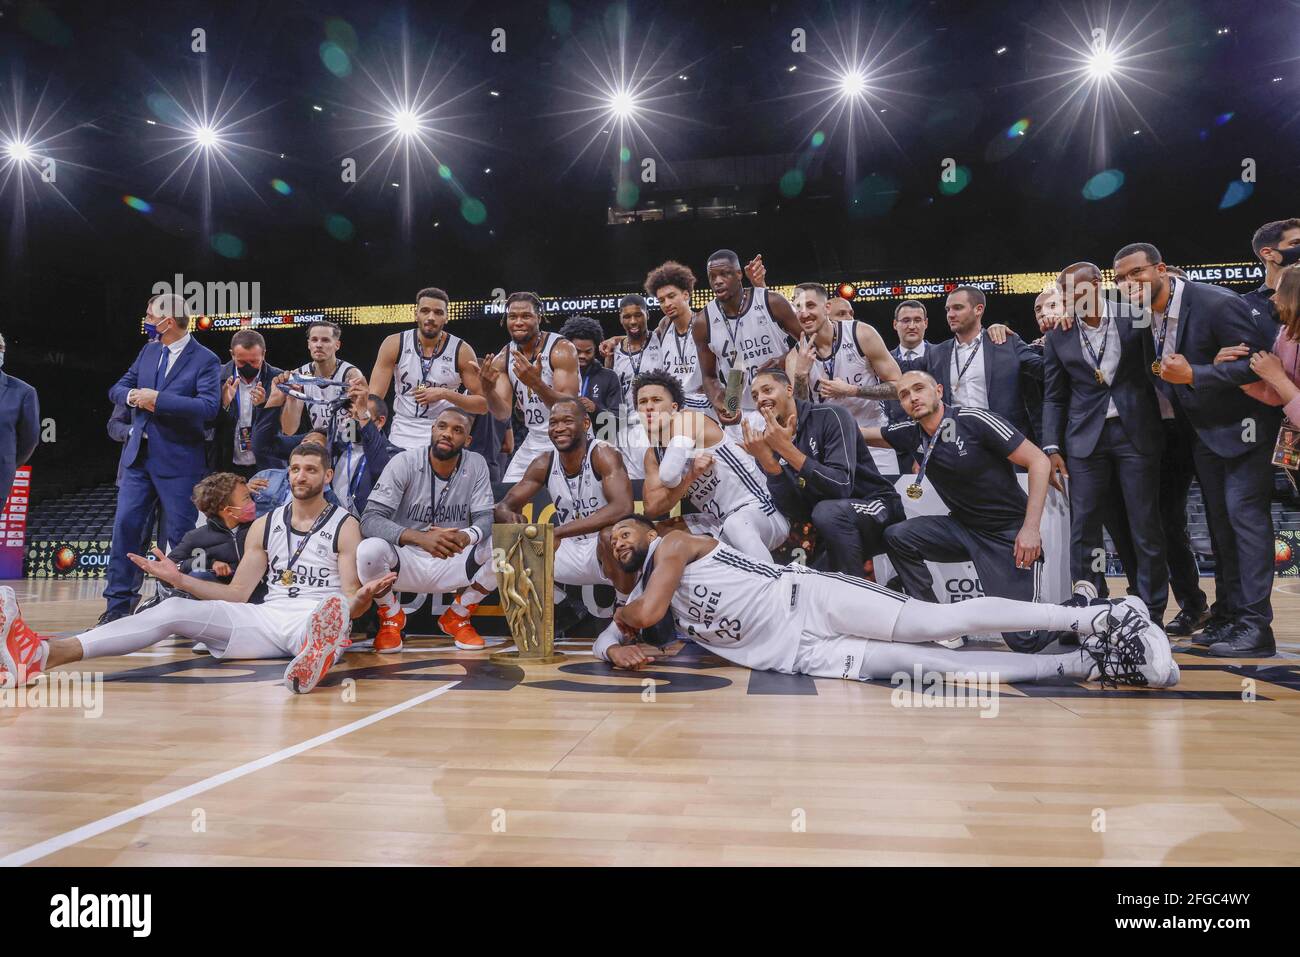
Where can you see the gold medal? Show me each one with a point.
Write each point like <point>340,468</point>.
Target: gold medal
<point>915,491</point>
<point>1155,367</point>
<point>287,577</point>
<point>1101,379</point>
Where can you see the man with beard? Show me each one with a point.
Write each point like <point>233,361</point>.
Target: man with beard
<point>691,458</point>
<point>429,520</point>
<point>635,352</point>
<point>819,469</point>
<point>968,455</point>
<point>842,362</point>
<point>305,552</point>
<point>745,330</point>
<point>588,486</point>
<point>534,371</point>
<point>435,370</point>
<point>323,341</point>
<point>795,620</point>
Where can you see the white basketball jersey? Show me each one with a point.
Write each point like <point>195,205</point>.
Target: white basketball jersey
<point>746,342</point>
<point>413,367</point>
<point>320,414</point>
<point>536,413</point>
<point>576,496</point>
<point>848,363</point>
<point>316,571</point>
<point>732,482</point>
<point>735,605</point>
<point>628,365</point>
<point>677,356</point>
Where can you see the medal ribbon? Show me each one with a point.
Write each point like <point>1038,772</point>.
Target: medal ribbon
<point>288,532</point>
<point>1097,356</point>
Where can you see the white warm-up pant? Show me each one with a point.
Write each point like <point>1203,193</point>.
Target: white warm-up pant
<point>850,630</point>
<point>274,629</point>
<point>420,572</point>
<point>576,562</point>
<point>534,445</point>
<point>746,530</point>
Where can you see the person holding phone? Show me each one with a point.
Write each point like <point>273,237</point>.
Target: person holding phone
<point>246,381</point>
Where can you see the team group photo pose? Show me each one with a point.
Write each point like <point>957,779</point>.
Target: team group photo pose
<point>508,435</point>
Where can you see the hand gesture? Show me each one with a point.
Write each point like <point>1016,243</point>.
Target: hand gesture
<point>756,271</point>
<point>699,465</point>
<point>608,346</point>
<point>1176,369</point>
<point>836,389</point>
<point>529,373</point>
<point>778,435</point>
<point>228,390</point>
<point>803,356</point>
<point>257,394</point>
<point>146,399</point>
<point>487,370</point>
<point>164,569</point>
<point>372,590</point>
<point>755,443</point>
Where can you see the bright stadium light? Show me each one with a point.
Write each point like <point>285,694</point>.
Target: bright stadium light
<point>19,151</point>
<point>1101,64</point>
<point>206,137</point>
<point>406,123</point>
<point>852,84</point>
<point>622,104</point>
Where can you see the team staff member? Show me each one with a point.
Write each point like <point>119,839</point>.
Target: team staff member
<point>174,390</point>
<point>910,322</point>
<point>1191,322</point>
<point>1277,245</point>
<point>1100,410</point>
<point>818,468</point>
<point>435,370</point>
<point>968,454</point>
<point>20,423</point>
<point>975,371</point>
<point>246,382</point>
<point>599,390</point>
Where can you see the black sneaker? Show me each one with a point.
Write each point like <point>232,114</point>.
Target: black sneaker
<point>1216,629</point>
<point>1245,641</point>
<point>110,616</point>
<point>1187,623</point>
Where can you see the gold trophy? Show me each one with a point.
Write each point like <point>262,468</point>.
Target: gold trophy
<point>524,557</point>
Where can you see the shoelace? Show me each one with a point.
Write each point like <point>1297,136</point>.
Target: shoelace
<point>1122,652</point>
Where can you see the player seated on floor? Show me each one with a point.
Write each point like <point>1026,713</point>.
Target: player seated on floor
<point>690,457</point>
<point>306,551</point>
<point>588,485</point>
<point>799,621</point>
<point>429,520</point>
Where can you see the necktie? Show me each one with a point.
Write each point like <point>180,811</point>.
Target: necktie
<point>910,355</point>
<point>162,366</point>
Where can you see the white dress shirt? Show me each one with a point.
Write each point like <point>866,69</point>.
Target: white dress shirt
<point>1170,327</point>
<point>917,353</point>
<point>1106,335</point>
<point>971,390</point>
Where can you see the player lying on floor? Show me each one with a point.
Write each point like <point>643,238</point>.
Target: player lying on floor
<point>307,553</point>
<point>799,621</point>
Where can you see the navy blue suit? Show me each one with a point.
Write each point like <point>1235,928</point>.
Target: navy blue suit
<point>1005,368</point>
<point>221,454</point>
<point>1099,450</point>
<point>20,428</point>
<point>164,458</point>
<point>1233,453</point>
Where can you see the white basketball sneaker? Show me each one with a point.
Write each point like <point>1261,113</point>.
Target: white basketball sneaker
<point>327,634</point>
<point>1131,651</point>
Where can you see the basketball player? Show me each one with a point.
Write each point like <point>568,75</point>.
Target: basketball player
<point>672,284</point>
<point>540,368</point>
<point>799,621</point>
<point>429,519</point>
<point>305,551</point>
<point>637,352</point>
<point>588,485</point>
<point>435,370</point>
<point>323,341</point>
<point>690,457</point>
<point>843,362</point>
<point>839,309</point>
<point>743,329</point>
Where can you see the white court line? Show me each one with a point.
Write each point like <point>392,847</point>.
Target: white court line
<point>95,828</point>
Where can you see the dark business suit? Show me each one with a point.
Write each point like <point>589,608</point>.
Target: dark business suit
<point>1006,367</point>
<point>164,458</point>
<point>1235,435</point>
<point>894,409</point>
<point>221,454</point>
<point>1098,450</point>
<point>20,429</point>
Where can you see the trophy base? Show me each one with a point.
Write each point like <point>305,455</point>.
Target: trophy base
<point>515,658</point>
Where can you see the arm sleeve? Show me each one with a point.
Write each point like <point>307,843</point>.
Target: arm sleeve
<point>831,471</point>
<point>606,640</point>
<point>994,432</point>
<point>902,436</point>
<point>29,426</point>
<point>1231,324</point>
<point>481,501</point>
<point>378,451</point>
<point>1031,360</point>
<point>673,465</point>
<point>377,519</point>
<point>1056,397</point>
<point>201,408</point>
<point>128,381</point>
<point>119,423</point>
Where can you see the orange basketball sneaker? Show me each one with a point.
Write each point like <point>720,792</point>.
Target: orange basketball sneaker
<point>389,637</point>
<point>461,628</point>
<point>327,635</point>
<point>22,651</point>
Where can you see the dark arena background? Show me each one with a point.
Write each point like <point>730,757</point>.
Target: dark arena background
<point>280,163</point>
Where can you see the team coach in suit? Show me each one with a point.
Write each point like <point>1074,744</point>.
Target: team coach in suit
<point>1099,408</point>
<point>1235,434</point>
<point>20,423</point>
<point>173,390</point>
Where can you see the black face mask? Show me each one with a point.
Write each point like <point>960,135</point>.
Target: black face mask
<point>248,372</point>
<point>1289,256</point>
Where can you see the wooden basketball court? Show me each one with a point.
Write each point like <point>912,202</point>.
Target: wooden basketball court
<point>443,757</point>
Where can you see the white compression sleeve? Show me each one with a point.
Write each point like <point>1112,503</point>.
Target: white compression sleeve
<point>673,465</point>
<point>928,621</point>
<point>883,659</point>
<point>186,617</point>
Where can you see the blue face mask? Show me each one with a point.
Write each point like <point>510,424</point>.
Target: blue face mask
<point>151,332</point>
